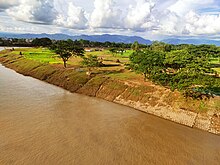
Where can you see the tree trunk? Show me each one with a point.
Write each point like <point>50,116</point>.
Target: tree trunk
<point>145,76</point>
<point>64,63</point>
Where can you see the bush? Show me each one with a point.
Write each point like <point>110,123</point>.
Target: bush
<point>92,61</point>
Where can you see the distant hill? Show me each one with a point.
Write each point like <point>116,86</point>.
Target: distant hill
<point>98,38</point>
<point>115,38</point>
<point>110,38</point>
<point>176,41</point>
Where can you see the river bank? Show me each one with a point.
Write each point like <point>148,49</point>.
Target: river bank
<point>148,98</point>
<point>43,124</point>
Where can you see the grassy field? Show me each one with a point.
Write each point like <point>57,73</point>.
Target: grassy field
<point>112,68</point>
<point>106,55</point>
<point>216,64</point>
<point>46,56</point>
<point>39,54</point>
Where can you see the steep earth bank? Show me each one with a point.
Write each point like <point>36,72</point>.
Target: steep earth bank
<point>150,98</point>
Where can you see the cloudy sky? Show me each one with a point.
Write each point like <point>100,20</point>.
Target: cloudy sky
<point>152,19</point>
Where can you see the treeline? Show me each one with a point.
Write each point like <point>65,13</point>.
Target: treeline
<point>156,45</point>
<point>46,42</point>
<point>186,68</point>
<point>15,42</point>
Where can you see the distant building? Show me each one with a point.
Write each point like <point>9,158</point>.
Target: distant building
<point>89,50</point>
<point>93,49</point>
<point>28,40</point>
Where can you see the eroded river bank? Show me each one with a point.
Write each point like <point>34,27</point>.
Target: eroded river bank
<point>143,96</point>
<point>44,124</point>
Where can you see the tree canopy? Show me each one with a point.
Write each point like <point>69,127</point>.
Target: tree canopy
<point>45,42</point>
<point>66,49</point>
<point>147,62</point>
<point>135,46</point>
<point>91,61</point>
<point>187,70</point>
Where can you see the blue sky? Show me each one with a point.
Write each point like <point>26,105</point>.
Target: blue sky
<point>152,19</point>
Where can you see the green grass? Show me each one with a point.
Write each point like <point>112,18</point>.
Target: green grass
<point>42,55</point>
<point>215,60</point>
<point>106,55</point>
<point>217,69</point>
<point>216,64</point>
<point>124,76</point>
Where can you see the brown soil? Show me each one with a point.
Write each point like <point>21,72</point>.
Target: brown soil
<point>102,86</point>
<point>92,86</point>
<point>110,89</point>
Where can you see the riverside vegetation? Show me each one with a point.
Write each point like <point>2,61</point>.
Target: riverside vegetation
<point>181,79</point>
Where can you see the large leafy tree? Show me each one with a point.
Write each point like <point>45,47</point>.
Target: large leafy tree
<point>113,51</point>
<point>204,50</point>
<point>186,70</point>
<point>190,70</point>
<point>42,42</point>
<point>193,61</point>
<point>92,61</point>
<point>135,46</point>
<point>160,46</point>
<point>148,62</point>
<point>66,49</point>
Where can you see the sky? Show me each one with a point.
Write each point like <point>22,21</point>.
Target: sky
<point>151,19</point>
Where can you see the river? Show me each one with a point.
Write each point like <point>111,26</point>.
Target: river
<point>44,124</point>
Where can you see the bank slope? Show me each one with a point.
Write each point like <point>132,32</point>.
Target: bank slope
<point>151,98</point>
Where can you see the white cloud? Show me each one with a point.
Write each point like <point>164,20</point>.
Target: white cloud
<point>192,24</point>
<point>136,17</point>
<point>73,17</point>
<point>5,4</point>
<point>169,23</point>
<point>182,19</point>
<point>22,12</point>
<point>105,15</point>
<point>36,11</point>
<point>153,17</point>
<point>45,12</point>
<point>7,24</point>
<point>139,17</point>
<point>197,24</point>
<point>182,7</point>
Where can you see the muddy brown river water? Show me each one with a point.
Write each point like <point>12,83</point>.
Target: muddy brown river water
<point>43,124</point>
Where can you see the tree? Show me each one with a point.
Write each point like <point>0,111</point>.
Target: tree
<point>178,59</point>
<point>91,61</point>
<point>135,46</point>
<point>113,51</point>
<point>70,42</point>
<point>167,48</point>
<point>45,42</point>
<point>121,50</point>
<point>148,62</point>
<point>189,58</point>
<point>190,68</point>
<point>160,46</point>
<point>66,49</point>
<point>187,70</point>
